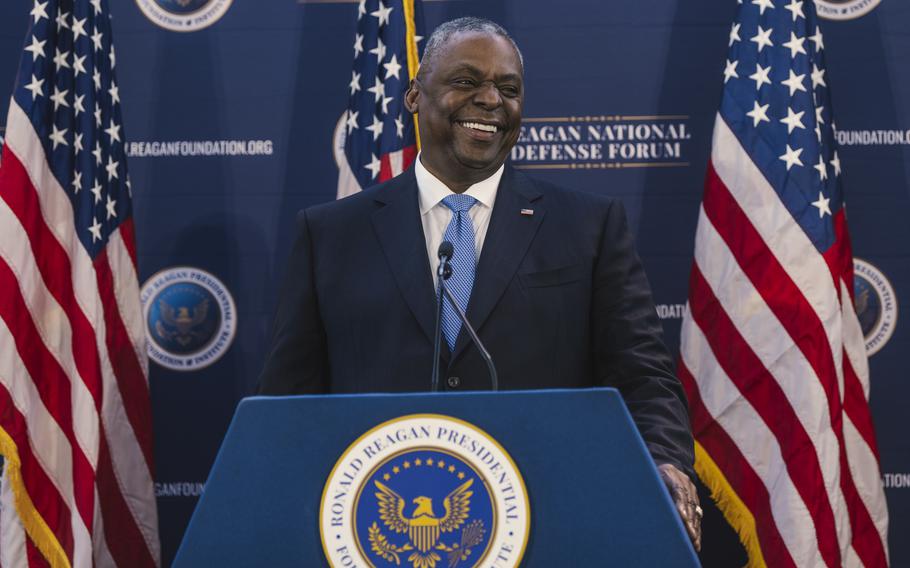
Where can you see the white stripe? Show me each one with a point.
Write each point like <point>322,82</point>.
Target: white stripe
<point>47,441</point>
<point>748,431</point>
<point>774,347</point>
<point>854,343</point>
<point>57,211</point>
<point>103,558</point>
<point>396,159</point>
<point>53,325</point>
<point>126,290</point>
<point>12,533</point>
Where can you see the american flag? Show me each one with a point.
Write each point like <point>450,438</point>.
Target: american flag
<point>772,353</point>
<point>75,420</point>
<point>380,134</point>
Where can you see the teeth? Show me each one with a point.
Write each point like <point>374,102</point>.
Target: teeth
<point>478,126</point>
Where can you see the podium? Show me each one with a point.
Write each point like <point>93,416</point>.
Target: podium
<point>550,478</point>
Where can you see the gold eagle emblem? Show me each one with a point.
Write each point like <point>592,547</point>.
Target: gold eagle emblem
<point>181,322</point>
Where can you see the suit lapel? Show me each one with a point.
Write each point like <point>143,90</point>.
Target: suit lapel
<point>508,237</point>
<point>400,234</point>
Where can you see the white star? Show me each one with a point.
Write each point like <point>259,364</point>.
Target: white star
<point>111,203</point>
<point>37,48</point>
<point>114,92</point>
<point>382,14</point>
<point>399,127</point>
<point>759,114</point>
<point>392,67</point>
<point>385,104</point>
<point>35,87</point>
<point>793,120</point>
<point>763,38</point>
<point>113,131</point>
<point>795,45</point>
<point>762,5</point>
<point>59,98</point>
<point>355,82</point>
<point>78,65</point>
<point>351,120</point>
<point>39,10</point>
<point>61,19</point>
<point>57,136</point>
<point>822,169</point>
<point>375,128</point>
<point>97,153</point>
<point>792,157</point>
<point>796,7</point>
<point>374,166</point>
<point>60,58</point>
<point>361,9</point>
<point>96,39</point>
<point>77,182</point>
<point>835,161</point>
<point>817,39</point>
<point>95,229</point>
<point>378,89</point>
<point>358,45</point>
<point>823,205</point>
<point>78,28</point>
<point>96,191</point>
<point>818,77</point>
<point>97,114</point>
<point>379,50</point>
<point>818,115</point>
<point>734,34</point>
<point>77,143</point>
<point>97,5</point>
<point>761,75</point>
<point>96,78</point>
<point>730,70</point>
<point>795,82</point>
<point>111,168</point>
<point>418,38</point>
<point>113,57</point>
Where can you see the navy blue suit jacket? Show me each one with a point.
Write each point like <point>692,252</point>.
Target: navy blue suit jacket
<point>560,300</point>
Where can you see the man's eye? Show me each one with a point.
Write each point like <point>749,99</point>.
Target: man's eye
<point>509,90</point>
<point>465,82</point>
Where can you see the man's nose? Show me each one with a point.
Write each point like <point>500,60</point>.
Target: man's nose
<point>488,95</point>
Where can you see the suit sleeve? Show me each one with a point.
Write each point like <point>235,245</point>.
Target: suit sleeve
<point>629,350</point>
<point>297,360</point>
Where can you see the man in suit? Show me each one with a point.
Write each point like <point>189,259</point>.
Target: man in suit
<point>548,277</point>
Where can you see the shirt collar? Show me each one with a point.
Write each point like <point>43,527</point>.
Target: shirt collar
<point>431,190</point>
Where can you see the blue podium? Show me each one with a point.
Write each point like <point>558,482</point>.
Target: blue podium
<point>532,478</point>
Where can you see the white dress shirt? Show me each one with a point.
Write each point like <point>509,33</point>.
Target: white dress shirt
<point>435,216</point>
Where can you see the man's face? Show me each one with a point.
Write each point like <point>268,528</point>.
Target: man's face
<point>469,103</point>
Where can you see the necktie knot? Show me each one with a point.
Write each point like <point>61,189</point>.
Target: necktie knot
<point>458,202</point>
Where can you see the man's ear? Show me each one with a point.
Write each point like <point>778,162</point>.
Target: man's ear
<point>411,96</point>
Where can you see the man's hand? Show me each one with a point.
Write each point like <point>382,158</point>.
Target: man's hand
<point>685,498</point>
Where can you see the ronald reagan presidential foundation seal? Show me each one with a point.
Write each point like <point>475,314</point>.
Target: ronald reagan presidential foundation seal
<point>422,491</point>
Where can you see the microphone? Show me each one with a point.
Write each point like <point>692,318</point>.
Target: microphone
<point>443,273</point>
<point>444,253</point>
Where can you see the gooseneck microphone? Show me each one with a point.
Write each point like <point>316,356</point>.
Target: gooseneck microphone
<point>444,254</point>
<point>446,249</point>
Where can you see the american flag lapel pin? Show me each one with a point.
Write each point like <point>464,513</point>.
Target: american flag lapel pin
<point>527,212</point>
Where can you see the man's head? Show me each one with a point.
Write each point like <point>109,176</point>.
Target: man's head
<point>468,93</point>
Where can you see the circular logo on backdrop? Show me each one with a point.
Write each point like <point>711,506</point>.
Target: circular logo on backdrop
<point>189,316</point>
<point>184,15</point>
<point>422,491</point>
<point>844,9</point>
<point>876,304</point>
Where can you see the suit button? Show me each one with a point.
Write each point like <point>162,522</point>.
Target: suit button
<point>453,382</point>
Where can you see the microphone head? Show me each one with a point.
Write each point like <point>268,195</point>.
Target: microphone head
<point>446,250</point>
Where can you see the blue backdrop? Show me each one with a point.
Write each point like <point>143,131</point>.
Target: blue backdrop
<point>230,130</point>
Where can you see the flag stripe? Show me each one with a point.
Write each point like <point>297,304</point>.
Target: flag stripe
<point>126,286</point>
<point>12,533</point>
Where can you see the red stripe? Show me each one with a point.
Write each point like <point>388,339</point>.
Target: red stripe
<point>385,168</point>
<point>42,492</point>
<point>408,155</point>
<point>51,382</point>
<point>124,540</point>
<point>54,265</point>
<point>130,378</point>
<point>128,234</point>
<point>35,560</point>
<point>761,389</point>
<point>736,469</point>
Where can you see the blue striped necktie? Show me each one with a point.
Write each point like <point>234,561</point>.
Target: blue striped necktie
<point>460,233</point>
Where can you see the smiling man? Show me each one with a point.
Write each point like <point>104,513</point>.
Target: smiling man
<point>549,277</point>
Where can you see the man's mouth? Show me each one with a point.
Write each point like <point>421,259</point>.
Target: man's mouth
<point>492,128</point>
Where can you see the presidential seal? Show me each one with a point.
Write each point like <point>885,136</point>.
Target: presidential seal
<point>184,15</point>
<point>844,9</point>
<point>422,491</point>
<point>190,318</point>
<point>876,304</point>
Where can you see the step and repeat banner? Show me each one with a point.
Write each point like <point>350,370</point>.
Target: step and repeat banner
<point>232,111</point>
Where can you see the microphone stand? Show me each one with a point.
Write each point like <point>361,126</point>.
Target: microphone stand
<point>442,273</point>
<point>494,379</point>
